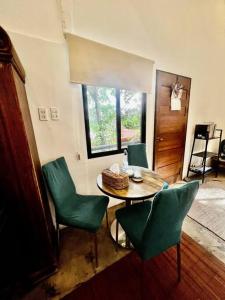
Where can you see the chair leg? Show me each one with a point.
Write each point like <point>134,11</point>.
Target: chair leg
<point>142,277</point>
<point>178,262</point>
<point>107,219</point>
<point>96,249</point>
<point>58,238</point>
<point>117,230</point>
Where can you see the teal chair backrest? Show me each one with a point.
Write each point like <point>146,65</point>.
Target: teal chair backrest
<point>59,181</point>
<point>137,155</point>
<point>163,227</point>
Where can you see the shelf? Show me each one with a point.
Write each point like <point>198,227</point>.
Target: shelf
<point>199,170</point>
<point>208,154</point>
<point>204,139</point>
<point>212,138</point>
<point>204,155</point>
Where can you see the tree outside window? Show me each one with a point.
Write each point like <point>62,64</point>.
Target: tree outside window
<point>113,119</point>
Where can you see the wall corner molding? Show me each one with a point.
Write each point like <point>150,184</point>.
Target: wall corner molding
<point>66,8</point>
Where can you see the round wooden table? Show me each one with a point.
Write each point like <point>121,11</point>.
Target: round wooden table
<point>151,184</point>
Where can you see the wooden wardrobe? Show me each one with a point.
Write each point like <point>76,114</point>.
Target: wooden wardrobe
<point>26,230</point>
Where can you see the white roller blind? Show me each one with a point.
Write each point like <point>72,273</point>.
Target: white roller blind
<point>100,65</point>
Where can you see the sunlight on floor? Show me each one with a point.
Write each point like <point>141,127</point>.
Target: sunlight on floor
<point>211,193</point>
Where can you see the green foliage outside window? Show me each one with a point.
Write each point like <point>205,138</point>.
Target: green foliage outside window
<point>102,117</point>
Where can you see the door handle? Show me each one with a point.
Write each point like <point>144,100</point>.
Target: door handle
<point>159,139</point>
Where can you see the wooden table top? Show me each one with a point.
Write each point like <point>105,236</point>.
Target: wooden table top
<point>151,184</point>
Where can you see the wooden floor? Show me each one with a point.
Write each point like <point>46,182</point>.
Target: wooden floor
<point>203,277</point>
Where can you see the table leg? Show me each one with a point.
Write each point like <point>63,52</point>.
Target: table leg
<point>123,240</point>
<point>128,203</point>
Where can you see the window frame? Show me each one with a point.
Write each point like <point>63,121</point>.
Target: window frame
<point>118,124</point>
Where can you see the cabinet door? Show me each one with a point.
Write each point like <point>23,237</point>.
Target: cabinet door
<point>33,153</point>
<point>23,188</point>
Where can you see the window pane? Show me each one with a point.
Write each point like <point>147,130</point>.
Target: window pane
<point>131,111</point>
<point>102,118</point>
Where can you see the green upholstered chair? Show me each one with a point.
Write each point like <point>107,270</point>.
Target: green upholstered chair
<point>154,226</point>
<point>80,211</point>
<point>137,155</point>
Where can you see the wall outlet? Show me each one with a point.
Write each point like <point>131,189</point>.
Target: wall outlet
<point>78,157</point>
<point>43,113</point>
<point>54,111</point>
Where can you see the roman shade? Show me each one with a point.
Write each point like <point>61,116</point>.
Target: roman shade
<point>100,65</point>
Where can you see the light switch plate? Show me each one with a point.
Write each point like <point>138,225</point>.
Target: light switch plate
<point>43,113</point>
<point>54,111</point>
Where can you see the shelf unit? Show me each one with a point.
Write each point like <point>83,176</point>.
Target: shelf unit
<point>203,169</point>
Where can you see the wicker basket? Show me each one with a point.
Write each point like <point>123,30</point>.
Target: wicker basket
<point>117,182</point>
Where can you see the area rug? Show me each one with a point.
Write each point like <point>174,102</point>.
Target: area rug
<point>202,274</point>
<point>208,208</point>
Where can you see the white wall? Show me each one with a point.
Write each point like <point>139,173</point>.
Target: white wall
<point>185,37</point>
<point>36,32</point>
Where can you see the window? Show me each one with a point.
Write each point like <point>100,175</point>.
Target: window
<point>113,119</point>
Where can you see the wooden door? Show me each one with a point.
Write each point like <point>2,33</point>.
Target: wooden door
<point>170,126</point>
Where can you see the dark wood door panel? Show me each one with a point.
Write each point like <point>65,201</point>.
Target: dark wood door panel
<point>173,178</point>
<point>166,78</point>
<point>169,170</point>
<point>165,110</point>
<point>27,251</point>
<point>170,126</point>
<point>169,141</point>
<point>165,158</point>
<point>165,92</point>
<point>186,82</point>
<point>184,97</point>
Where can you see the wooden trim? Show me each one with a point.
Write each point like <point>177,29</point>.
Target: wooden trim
<point>9,55</point>
<point>187,113</point>
<point>178,75</point>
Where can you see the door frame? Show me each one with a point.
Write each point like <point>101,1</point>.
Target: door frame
<point>187,112</point>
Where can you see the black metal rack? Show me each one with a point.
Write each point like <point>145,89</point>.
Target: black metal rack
<point>203,169</point>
